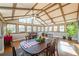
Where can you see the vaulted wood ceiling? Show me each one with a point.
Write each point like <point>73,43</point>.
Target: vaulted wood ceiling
<point>48,12</point>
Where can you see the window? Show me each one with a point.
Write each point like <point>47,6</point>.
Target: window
<point>36,22</point>
<point>50,28</point>
<point>29,28</point>
<point>41,21</point>
<point>11,27</point>
<point>39,28</point>
<point>34,28</point>
<point>61,28</point>
<point>46,28</point>
<point>29,20</point>
<point>55,28</point>
<point>42,28</point>
<point>22,20</point>
<point>21,28</point>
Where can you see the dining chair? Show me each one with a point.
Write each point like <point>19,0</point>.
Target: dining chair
<point>50,49</point>
<point>14,51</point>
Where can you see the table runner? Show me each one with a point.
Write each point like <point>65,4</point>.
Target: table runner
<point>29,44</point>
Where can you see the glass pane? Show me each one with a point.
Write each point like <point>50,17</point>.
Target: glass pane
<point>11,27</point>
<point>61,28</point>
<point>22,20</point>
<point>21,28</point>
<point>29,28</point>
<point>29,20</point>
<point>36,22</point>
<point>55,28</point>
<point>46,28</point>
<point>34,28</point>
<point>42,28</point>
<point>39,28</point>
<point>50,28</point>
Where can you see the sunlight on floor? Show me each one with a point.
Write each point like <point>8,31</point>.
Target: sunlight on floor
<point>66,47</point>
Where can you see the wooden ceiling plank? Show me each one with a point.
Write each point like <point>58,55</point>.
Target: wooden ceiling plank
<point>43,21</point>
<point>3,7</point>
<point>60,6</point>
<point>49,17</point>
<point>2,19</point>
<point>43,8</point>
<point>13,11</point>
<point>65,14</point>
<point>78,13</point>
<point>31,8</point>
<point>56,9</point>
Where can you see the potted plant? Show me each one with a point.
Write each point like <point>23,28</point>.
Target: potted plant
<point>39,39</point>
<point>71,30</point>
<point>64,37</point>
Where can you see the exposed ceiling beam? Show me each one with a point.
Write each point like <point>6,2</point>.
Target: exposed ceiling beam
<point>16,16</point>
<point>62,14</point>
<point>3,7</point>
<point>55,9</point>
<point>48,7</point>
<point>2,19</point>
<point>78,13</point>
<point>31,8</point>
<point>29,15</point>
<point>43,21</point>
<point>58,8</point>
<point>44,8</point>
<point>13,11</point>
<point>67,20</point>
<point>51,6</point>
<point>49,17</point>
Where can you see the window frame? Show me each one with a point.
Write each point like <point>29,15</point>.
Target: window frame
<point>19,28</point>
<point>12,24</point>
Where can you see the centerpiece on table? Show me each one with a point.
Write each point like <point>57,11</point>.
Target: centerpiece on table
<point>40,39</point>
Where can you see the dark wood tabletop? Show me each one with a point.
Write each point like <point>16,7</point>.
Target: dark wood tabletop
<point>35,49</point>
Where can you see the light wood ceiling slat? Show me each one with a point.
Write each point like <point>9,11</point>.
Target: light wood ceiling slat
<point>31,8</point>
<point>70,16</point>
<point>63,15</point>
<point>44,8</point>
<point>2,19</point>
<point>56,9</point>
<point>13,11</point>
<point>70,8</point>
<point>49,17</point>
<point>78,13</point>
<point>3,7</point>
<point>50,5</point>
<point>43,20</point>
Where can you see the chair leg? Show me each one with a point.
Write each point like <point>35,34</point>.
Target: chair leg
<point>54,53</point>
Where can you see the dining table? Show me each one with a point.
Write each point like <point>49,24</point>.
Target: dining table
<point>33,47</point>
